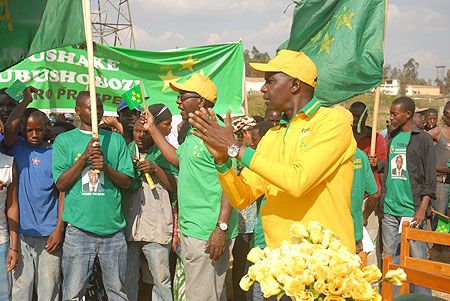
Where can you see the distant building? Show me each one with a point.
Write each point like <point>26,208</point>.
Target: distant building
<point>390,87</point>
<point>254,84</point>
<point>421,90</point>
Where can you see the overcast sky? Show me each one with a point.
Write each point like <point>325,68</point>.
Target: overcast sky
<point>415,28</point>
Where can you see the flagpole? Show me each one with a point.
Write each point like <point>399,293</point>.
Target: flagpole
<point>90,53</point>
<point>245,97</point>
<point>376,104</point>
<point>142,93</point>
<point>147,175</point>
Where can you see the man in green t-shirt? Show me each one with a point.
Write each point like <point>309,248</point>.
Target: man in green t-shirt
<point>363,183</point>
<point>92,211</point>
<point>409,181</point>
<point>207,220</point>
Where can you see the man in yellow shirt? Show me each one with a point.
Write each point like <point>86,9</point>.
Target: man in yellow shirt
<point>304,166</point>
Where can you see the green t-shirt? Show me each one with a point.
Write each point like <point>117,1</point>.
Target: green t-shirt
<point>199,191</point>
<point>399,199</point>
<point>363,182</point>
<point>93,203</point>
<point>259,240</point>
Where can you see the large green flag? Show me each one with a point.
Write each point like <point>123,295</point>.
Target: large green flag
<point>59,74</point>
<point>31,26</point>
<point>344,38</point>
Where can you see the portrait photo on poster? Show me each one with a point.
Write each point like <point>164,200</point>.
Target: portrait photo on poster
<point>398,167</point>
<point>93,182</point>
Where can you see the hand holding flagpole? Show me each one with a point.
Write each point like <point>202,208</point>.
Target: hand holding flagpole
<point>147,175</point>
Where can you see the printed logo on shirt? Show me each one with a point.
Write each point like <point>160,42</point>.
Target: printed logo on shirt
<point>398,166</point>
<point>198,149</point>
<point>93,183</point>
<point>303,145</point>
<point>78,156</point>
<point>357,164</point>
<point>305,132</point>
<point>36,161</point>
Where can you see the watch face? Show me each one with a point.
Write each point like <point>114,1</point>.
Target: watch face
<point>233,151</point>
<point>223,226</point>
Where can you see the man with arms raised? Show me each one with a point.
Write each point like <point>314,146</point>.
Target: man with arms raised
<point>95,218</point>
<point>304,167</point>
<point>208,222</point>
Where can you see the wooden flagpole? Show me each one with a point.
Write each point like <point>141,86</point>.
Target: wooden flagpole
<point>143,96</point>
<point>376,104</point>
<point>90,53</point>
<point>147,175</point>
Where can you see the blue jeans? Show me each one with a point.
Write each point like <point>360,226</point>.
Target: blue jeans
<point>4,283</point>
<point>440,204</point>
<point>157,257</point>
<point>36,269</point>
<point>79,251</point>
<point>391,246</point>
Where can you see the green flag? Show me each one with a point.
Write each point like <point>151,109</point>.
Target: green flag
<point>16,90</point>
<point>443,225</point>
<point>28,27</point>
<point>59,74</point>
<point>133,97</point>
<point>344,38</point>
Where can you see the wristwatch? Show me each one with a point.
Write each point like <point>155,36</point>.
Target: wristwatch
<point>233,150</point>
<point>222,226</point>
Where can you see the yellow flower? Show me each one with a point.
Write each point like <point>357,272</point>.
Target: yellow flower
<point>270,287</point>
<point>319,285</point>
<point>350,283</point>
<point>304,296</point>
<point>284,278</point>
<point>371,273</point>
<point>376,296</point>
<point>335,245</point>
<point>316,236</point>
<point>277,267</point>
<point>246,282</point>
<point>267,251</point>
<point>255,255</point>
<point>395,276</point>
<point>313,225</point>
<point>334,298</point>
<point>321,271</point>
<point>293,287</point>
<point>298,230</point>
<point>337,286</point>
<point>362,291</point>
<point>307,277</point>
<point>327,236</point>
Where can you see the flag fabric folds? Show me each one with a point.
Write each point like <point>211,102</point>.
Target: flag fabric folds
<point>443,225</point>
<point>344,38</point>
<point>59,74</point>
<point>29,27</point>
<point>133,97</point>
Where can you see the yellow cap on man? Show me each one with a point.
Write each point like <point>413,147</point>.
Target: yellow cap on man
<point>199,84</point>
<point>293,63</point>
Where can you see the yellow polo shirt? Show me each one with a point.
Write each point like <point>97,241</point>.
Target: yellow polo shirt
<point>305,170</point>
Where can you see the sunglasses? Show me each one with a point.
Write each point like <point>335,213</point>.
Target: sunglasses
<point>183,98</point>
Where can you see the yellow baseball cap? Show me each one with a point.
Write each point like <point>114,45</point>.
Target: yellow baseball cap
<point>199,84</point>
<point>293,63</point>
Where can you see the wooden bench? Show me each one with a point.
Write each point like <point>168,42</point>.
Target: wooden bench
<point>426,273</point>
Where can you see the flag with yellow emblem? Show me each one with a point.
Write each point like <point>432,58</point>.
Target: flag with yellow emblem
<point>443,225</point>
<point>133,97</point>
<point>344,38</point>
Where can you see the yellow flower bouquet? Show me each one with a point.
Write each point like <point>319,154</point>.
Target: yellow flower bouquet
<point>313,266</point>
